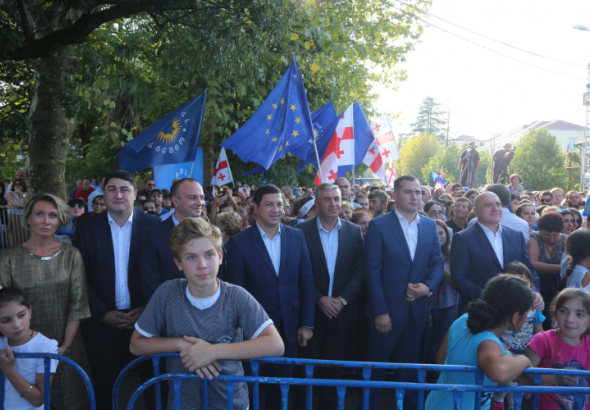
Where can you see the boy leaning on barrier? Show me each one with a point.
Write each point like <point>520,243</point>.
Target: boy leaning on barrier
<point>200,317</point>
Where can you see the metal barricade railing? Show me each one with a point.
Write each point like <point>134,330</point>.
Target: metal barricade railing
<point>47,357</point>
<point>12,230</point>
<point>341,385</point>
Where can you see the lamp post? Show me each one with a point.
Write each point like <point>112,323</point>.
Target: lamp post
<point>584,175</point>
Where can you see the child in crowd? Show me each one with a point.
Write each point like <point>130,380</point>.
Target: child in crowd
<point>516,340</point>
<point>577,271</point>
<point>24,384</point>
<point>474,339</point>
<point>200,317</point>
<point>565,347</point>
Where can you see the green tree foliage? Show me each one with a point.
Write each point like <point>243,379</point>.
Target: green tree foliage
<point>485,168</point>
<point>572,166</point>
<point>415,154</point>
<point>449,159</point>
<point>430,119</point>
<point>539,161</point>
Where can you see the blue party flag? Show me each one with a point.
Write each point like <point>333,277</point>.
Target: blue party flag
<point>363,138</point>
<point>282,124</point>
<point>436,177</point>
<point>173,139</point>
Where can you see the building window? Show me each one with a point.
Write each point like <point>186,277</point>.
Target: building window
<point>570,145</point>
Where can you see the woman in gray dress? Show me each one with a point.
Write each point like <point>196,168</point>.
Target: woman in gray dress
<point>51,275</point>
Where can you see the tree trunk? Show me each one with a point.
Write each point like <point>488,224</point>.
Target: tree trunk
<point>209,162</point>
<point>51,127</point>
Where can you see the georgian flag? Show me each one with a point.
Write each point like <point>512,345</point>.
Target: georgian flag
<point>340,151</point>
<point>374,161</point>
<point>385,138</point>
<point>441,180</point>
<point>222,174</point>
<point>391,174</point>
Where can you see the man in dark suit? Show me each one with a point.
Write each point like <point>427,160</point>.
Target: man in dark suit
<point>336,251</point>
<point>109,243</point>
<point>482,250</point>
<point>270,260</point>
<point>403,266</point>
<point>157,264</point>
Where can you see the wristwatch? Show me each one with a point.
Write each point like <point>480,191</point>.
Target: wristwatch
<point>344,302</point>
<point>430,292</point>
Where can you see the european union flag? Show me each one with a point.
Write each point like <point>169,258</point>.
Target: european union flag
<point>173,139</point>
<point>282,124</point>
<point>363,138</point>
<point>321,119</point>
<point>436,177</point>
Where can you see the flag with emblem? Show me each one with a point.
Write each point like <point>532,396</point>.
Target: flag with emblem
<point>340,151</point>
<point>173,139</point>
<point>391,174</point>
<point>222,174</point>
<point>282,124</point>
<point>374,161</point>
<point>440,178</point>
<point>385,139</point>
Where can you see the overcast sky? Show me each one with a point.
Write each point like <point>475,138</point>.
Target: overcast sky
<point>486,91</point>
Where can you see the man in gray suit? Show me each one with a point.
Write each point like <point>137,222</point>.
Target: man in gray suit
<point>336,252</point>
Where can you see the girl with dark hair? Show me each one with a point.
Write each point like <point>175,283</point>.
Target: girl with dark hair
<point>474,340</point>
<point>577,271</point>
<point>25,387</point>
<point>565,347</point>
<point>577,220</point>
<point>568,221</point>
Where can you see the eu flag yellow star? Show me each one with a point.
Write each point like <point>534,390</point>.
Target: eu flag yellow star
<point>269,117</point>
<point>295,133</point>
<point>275,106</point>
<point>274,139</point>
<point>293,107</point>
<point>297,120</point>
<point>280,149</point>
<point>287,144</point>
<point>282,100</point>
<point>267,131</point>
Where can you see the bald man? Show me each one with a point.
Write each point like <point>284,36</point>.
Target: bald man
<point>481,251</point>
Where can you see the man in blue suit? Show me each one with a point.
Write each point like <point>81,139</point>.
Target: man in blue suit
<point>403,266</point>
<point>271,261</point>
<point>482,250</point>
<point>110,243</point>
<point>157,263</point>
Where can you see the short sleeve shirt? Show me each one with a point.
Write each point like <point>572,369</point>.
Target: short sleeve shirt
<point>235,316</point>
<point>557,354</point>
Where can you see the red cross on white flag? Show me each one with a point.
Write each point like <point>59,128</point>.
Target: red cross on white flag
<point>340,151</point>
<point>385,137</point>
<point>222,174</point>
<point>391,174</point>
<point>373,159</point>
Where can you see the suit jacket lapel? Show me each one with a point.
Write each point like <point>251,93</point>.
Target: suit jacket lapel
<point>285,248</point>
<point>398,233</point>
<point>261,247</point>
<point>483,239</point>
<point>317,242</point>
<point>109,251</point>
<point>134,245</point>
<point>505,245</point>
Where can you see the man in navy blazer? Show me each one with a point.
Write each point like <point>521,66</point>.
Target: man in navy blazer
<point>110,243</point>
<point>157,263</point>
<point>482,251</point>
<point>270,260</point>
<point>336,251</point>
<point>403,266</point>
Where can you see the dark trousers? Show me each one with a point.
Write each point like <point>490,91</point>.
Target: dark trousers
<point>436,329</point>
<point>328,343</point>
<point>273,397</point>
<point>402,344</point>
<point>108,354</point>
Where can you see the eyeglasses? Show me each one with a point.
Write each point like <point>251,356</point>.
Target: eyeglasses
<point>77,207</point>
<point>433,212</point>
<point>151,184</point>
<point>545,200</point>
<point>18,184</point>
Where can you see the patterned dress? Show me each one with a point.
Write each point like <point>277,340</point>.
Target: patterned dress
<point>55,287</point>
<point>549,283</point>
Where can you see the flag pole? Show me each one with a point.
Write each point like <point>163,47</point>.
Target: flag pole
<point>317,156</point>
<point>353,153</point>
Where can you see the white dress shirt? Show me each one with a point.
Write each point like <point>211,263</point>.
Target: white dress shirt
<point>174,220</point>
<point>496,241</point>
<point>330,245</point>
<point>511,221</point>
<point>121,243</point>
<point>410,231</point>
<point>273,246</point>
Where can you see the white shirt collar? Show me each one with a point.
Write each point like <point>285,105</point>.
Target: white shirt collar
<point>174,220</point>
<point>488,231</point>
<point>129,221</point>
<point>321,227</point>
<point>400,216</point>
<point>264,235</point>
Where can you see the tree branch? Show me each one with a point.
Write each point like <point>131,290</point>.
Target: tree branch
<point>86,24</point>
<point>25,21</point>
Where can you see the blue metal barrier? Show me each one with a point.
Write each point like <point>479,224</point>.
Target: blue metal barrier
<point>47,357</point>
<point>366,384</point>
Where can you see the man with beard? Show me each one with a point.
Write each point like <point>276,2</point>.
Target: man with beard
<point>573,199</point>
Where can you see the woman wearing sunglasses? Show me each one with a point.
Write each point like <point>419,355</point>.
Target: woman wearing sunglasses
<point>18,198</point>
<point>434,210</point>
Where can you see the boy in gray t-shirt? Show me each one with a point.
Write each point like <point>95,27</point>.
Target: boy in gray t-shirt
<point>200,317</point>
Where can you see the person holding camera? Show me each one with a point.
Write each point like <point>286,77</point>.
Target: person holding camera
<point>502,159</point>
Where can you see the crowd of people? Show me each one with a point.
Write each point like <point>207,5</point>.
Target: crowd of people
<point>495,276</point>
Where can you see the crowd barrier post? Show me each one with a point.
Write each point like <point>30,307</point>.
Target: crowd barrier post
<point>47,357</point>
